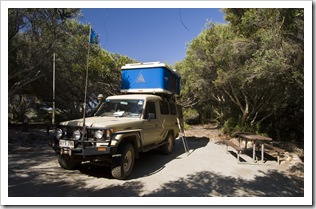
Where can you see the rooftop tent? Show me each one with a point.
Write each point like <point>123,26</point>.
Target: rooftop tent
<point>152,77</point>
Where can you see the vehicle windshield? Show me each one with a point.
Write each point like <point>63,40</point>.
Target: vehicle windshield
<point>121,108</point>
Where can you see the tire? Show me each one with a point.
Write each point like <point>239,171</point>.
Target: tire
<point>67,163</point>
<point>123,164</point>
<point>169,146</point>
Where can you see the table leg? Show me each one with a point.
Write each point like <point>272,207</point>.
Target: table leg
<point>262,152</point>
<point>254,151</point>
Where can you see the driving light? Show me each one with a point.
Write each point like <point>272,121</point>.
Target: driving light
<point>58,133</point>
<point>98,134</point>
<point>76,134</point>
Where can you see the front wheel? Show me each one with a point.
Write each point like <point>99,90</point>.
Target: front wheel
<point>169,146</point>
<point>67,163</point>
<point>122,165</point>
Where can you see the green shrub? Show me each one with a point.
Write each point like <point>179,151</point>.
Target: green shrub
<point>186,126</point>
<point>229,126</point>
<point>191,116</point>
<point>232,125</point>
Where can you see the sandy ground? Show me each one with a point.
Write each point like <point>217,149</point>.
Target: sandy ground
<point>208,171</point>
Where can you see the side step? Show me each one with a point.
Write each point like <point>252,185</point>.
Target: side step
<point>150,147</point>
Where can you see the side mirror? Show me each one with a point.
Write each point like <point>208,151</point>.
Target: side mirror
<point>151,116</point>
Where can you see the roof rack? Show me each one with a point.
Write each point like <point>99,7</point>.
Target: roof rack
<point>144,65</point>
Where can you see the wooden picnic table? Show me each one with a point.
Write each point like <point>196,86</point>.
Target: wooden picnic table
<point>255,139</point>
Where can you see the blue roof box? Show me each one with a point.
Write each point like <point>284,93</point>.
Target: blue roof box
<point>150,77</point>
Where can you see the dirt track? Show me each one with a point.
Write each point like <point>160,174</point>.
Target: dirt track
<point>207,172</point>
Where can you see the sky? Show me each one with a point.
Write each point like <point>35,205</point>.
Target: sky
<point>149,34</point>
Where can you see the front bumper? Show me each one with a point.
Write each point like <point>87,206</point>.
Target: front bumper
<point>83,151</point>
<point>87,146</point>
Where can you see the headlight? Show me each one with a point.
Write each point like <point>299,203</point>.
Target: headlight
<point>98,134</point>
<point>76,134</point>
<point>58,133</point>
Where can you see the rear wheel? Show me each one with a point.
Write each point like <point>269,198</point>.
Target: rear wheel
<point>67,163</point>
<point>123,164</point>
<point>169,146</point>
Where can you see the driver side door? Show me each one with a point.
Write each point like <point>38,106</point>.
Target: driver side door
<point>152,124</point>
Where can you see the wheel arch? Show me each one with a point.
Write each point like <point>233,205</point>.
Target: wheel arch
<point>134,139</point>
<point>171,131</point>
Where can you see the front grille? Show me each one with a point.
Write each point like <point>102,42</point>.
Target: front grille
<point>89,133</point>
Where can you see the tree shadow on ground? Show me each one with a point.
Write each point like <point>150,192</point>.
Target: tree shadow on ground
<point>201,184</point>
<point>32,186</point>
<point>209,184</point>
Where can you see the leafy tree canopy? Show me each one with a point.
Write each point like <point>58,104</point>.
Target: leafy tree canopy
<point>34,36</point>
<point>249,72</point>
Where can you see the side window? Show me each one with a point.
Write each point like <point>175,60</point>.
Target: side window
<point>150,108</point>
<point>164,108</point>
<point>173,109</point>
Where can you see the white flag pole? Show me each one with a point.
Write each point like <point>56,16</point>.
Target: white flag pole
<point>86,87</point>
<point>53,113</point>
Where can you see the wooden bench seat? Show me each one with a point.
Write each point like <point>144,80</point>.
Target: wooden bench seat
<point>278,151</point>
<point>234,146</point>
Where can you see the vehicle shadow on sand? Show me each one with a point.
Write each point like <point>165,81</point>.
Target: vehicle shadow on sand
<point>152,162</point>
<point>149,163</point>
